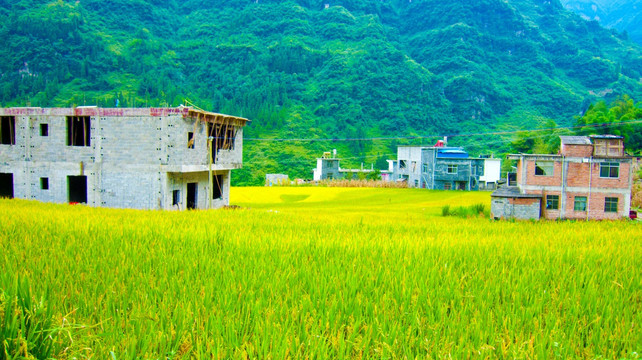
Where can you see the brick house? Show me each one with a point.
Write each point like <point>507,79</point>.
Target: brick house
<point>143,158</point>
<point>589,179</point>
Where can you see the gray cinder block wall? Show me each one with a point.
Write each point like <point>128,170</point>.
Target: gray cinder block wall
<point>136,158</point>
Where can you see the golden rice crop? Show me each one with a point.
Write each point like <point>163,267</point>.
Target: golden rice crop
<point>313,272</point>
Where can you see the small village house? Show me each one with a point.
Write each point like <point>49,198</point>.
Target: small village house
<point>441,167</point>
<point>328,168</point>
<point>150,158</point>
<point>590,179</point>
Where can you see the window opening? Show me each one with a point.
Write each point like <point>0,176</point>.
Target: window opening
<point>190,140</point>
<point>78,130</point>
<point>402,164</point>
<point>452,169</point>
<point>610,204</point>
<point>610,170</point>
<point>224,136</point>
<point>552,202</point>
<point>44,183</point>
<point>6,185</point>
<point>44,129</point>
<point>580,203</point>
<point>544,168</point>
<point>448,186</point>
<point>77,189</point>
<point>8,130</point>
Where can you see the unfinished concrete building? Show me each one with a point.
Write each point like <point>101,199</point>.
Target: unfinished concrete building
<point>150,158</point>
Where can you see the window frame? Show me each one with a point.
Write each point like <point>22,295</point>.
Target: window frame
<point>552,199</point>
<point>538,166</point>
<point>610,167</point>
<point>451,169</point>
<point>609,202</point>
<point>580,200</point>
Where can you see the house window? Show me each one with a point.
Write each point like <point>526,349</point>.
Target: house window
<point>402,164</point>
<point>44,129</point>
<point>580,203</point>
<point>552,202</point>
<point>44,183</point>
<point>424,168</point>
<point>190,140</point>
<point>452,169</point>
<point>176,197</point>
<point>329,176</point>
<point>448,186</point>
<point>78,130</point>
<point>413,166</point>
<point>544,168</point>
<point>610,170</point>
<point>610,204</point>
<point>416,183</point>
<point>8,130</point>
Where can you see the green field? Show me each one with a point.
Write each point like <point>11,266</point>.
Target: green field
<point>311,272</point>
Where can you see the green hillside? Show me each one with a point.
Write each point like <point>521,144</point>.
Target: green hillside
<point>299,69</point>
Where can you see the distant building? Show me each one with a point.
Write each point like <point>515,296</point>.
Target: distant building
<point>438,168</point>
<point>491,175</point>
<point>151,158</point>
<point>276,179</point>
<point>589,179</point>
<point>328,168</point>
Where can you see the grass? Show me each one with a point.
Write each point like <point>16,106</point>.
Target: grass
<point>306,272</point>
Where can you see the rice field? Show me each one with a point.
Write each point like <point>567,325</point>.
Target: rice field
<point>307,272</point>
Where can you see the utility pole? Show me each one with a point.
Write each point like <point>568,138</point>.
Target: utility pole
<point>211,182</point>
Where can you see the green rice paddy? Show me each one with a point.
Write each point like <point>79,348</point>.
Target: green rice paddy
<point>310,272</point>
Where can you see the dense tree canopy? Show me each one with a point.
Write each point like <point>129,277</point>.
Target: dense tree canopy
<point>301,69</point>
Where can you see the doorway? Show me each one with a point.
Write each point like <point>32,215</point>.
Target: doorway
<point>192,189</point>
<point>6,186</point>
<point>77,189</point>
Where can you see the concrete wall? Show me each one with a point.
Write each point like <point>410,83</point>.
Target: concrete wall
<point>515,208</point>
<point>492,171</point>
<point>127,165</point>
<point>412,155</point>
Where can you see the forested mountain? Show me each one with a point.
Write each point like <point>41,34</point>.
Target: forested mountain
<point>623,15</point>
<point>320,69</point>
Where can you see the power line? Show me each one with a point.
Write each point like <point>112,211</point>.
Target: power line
<point>417,137</point>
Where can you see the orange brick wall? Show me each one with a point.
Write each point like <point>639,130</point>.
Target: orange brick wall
<point>620,183</point>
<point>595,207</point>
<point>577,150</point>
<point>532,179</point>
<point>578,175</point>
<point>523,201</point>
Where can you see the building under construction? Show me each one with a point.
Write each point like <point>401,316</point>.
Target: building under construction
<point>151,158</point>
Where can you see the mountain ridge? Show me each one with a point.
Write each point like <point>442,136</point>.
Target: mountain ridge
<point>299,69</point>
